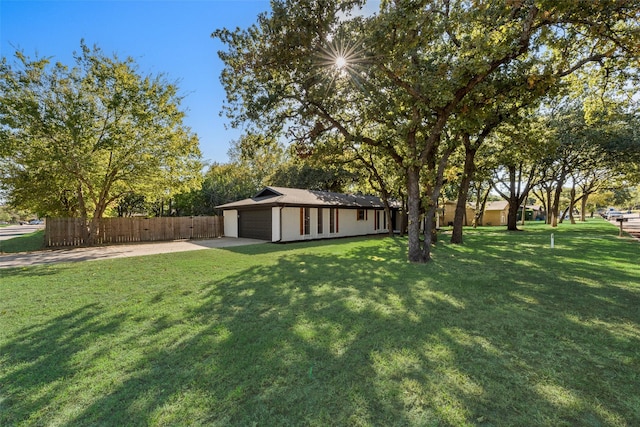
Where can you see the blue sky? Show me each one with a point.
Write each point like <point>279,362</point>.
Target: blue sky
<point>163,36</point>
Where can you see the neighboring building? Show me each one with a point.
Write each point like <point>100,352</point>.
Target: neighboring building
<point>448,211</point>
<point>278,214</point>
<point>495,213</point>
<point>532,213</point>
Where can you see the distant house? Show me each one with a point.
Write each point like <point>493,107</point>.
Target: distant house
<point>495,213</point>
<point>447,213</point>
<point>532,213</point>
<point>278,214</point>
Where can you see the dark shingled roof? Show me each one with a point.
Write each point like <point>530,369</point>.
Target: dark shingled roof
<point>281,196</point>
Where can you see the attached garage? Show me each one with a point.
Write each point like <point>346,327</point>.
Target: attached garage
<point>255,224</point>
<point>278,214</point>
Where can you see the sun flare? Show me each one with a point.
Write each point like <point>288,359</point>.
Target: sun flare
<point>341,62</point>
<point>340,56</point>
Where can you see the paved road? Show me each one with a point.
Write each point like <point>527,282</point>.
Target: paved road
<point>116,251</point>
<point>18,230</point>
<point>632,226</point>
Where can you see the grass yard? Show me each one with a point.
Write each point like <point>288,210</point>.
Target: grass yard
<point>500,331</point>
<point>25,243</point>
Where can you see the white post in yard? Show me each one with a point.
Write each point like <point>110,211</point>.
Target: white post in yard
<point>552,242</point>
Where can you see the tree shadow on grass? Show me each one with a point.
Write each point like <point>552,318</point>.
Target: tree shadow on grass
<point>352,334</point>
<point>39,361</point>
<point>364,338</point>
<point>30,271</point>
<point>519,344</point>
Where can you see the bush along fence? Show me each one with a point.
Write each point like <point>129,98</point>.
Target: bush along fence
<point>69,231</point>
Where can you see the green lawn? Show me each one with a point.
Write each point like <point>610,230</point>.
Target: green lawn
<point>501,331</point>
<point>25,243</point>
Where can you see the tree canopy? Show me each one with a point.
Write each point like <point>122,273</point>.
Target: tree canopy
<point>76,140</point>
<point>405,80</point>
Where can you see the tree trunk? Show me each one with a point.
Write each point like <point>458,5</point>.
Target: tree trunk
<point>512,216</point>
<point>544,195</point>
<point>564,214</point>
<point>463,192</point>
<point>387,213</point>
<point>86,229</point>
<point>514,202</point>
<point>429,230</point>
<point>94,224</point>
<point>555,207</point>
<point>94,229</point>
<point>417,251</point>
<point>583,207</point>
<point>572,203</point>
<point>547,207</point>
<point>516,195</point>
<point>481,202</point>
<point>387,210</point>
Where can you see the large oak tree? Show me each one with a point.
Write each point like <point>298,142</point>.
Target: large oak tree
<point>400,79</point>
<point>75,140</point>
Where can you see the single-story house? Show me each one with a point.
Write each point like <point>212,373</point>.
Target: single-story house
<point>279,214</point>
<point>447,212</point>
<point>495,213</point>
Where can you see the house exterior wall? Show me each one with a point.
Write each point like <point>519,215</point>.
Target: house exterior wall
<point>230,223</point>
<point>275,223</point>
<point>450,213</point>
<point>347,225</point>
<point>494,218</point>
<point>290,227</point>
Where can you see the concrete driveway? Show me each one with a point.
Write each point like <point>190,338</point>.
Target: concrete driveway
<point>117,251</point>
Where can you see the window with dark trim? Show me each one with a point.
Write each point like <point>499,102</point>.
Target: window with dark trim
<point>333,220</point>
<point>360,214</point>
<point>305,221</point>
<point>320,221</point>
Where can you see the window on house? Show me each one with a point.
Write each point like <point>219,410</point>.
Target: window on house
<point>333,220</point>
<point>320,220</point>
<point>305,221</point>
<point>361,213</point>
